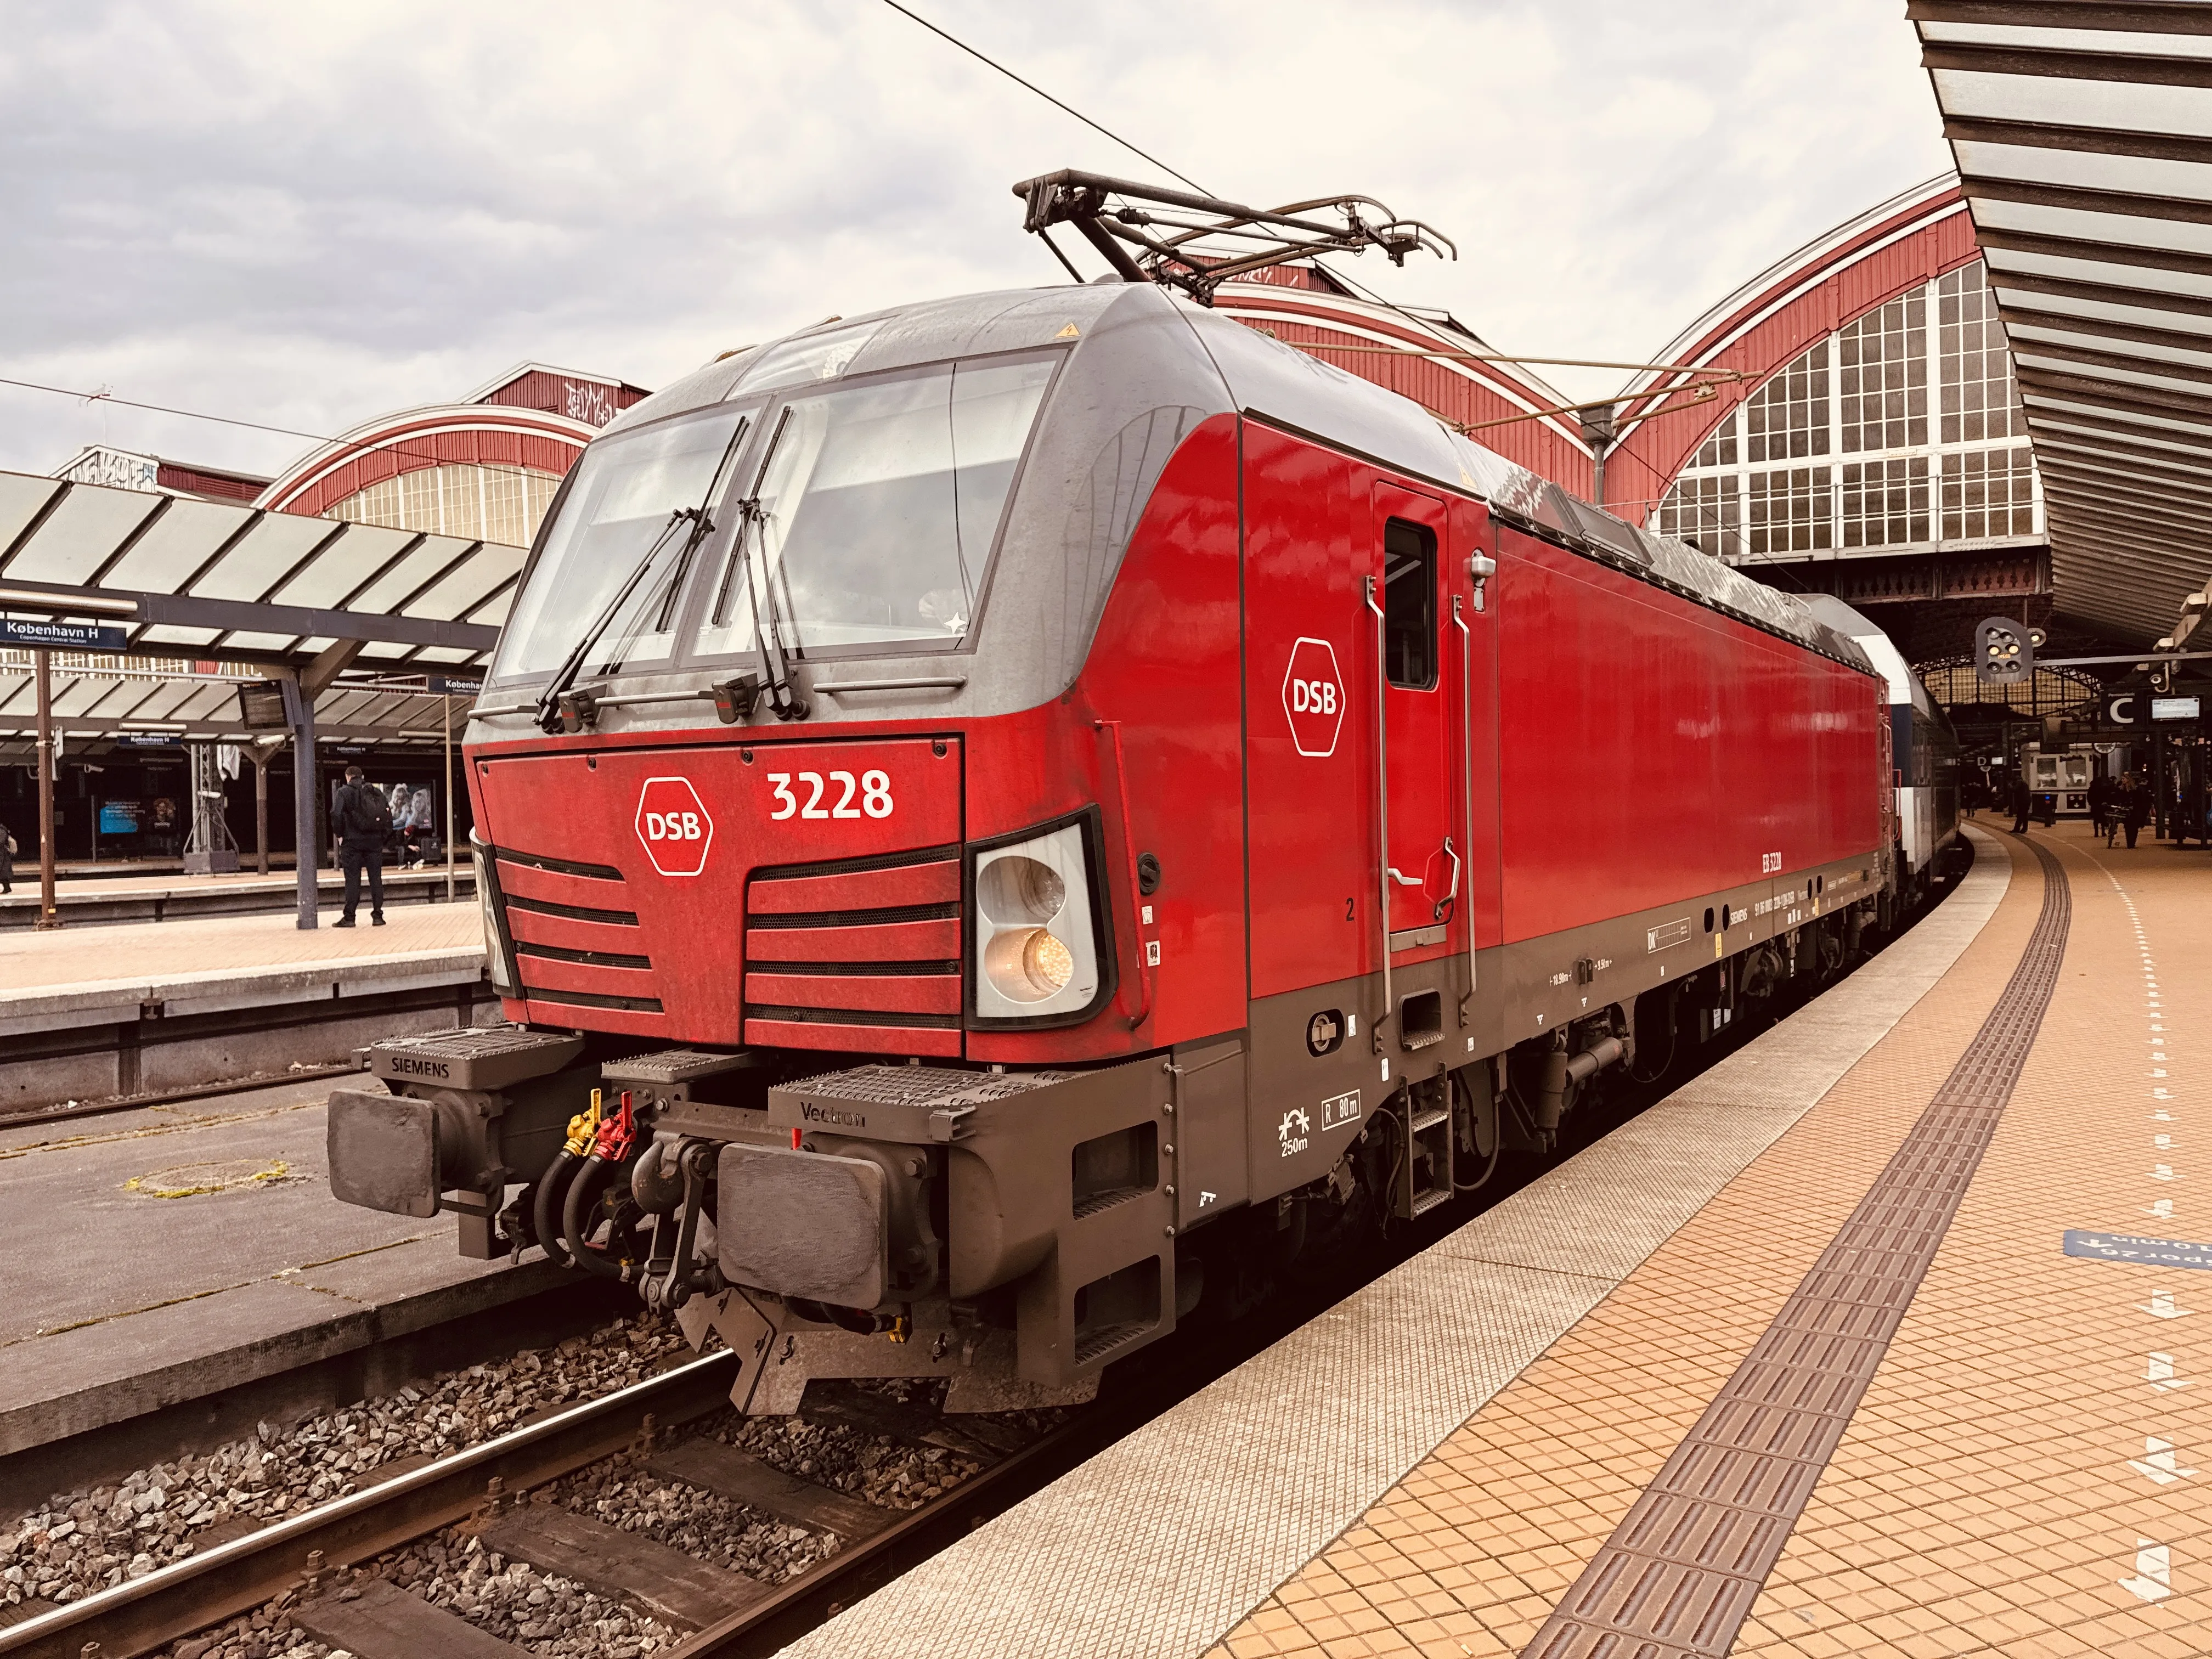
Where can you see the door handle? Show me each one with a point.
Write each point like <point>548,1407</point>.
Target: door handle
<point>1391,870</point>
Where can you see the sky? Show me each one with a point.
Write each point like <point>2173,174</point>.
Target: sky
<point>308,214</point>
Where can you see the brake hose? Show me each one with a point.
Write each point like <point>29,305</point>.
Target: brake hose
<point>544,1208</point>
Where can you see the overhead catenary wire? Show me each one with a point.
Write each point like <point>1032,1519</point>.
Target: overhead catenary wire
<point>1032,86</point>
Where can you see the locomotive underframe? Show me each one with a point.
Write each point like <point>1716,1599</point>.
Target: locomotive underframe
<point>1016,1231</point>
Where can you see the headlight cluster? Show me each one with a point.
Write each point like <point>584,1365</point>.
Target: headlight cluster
<point>1036,951</point>
<point>494,930</point>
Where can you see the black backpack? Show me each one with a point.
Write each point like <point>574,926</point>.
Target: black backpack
<point>366,812</point>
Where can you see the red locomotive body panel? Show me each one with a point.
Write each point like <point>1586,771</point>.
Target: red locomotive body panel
<point>1163,668</point>
<point>1654,750</point>
<point>665,929</point>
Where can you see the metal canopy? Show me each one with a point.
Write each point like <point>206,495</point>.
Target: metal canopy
<point>214,580</point>
<point>100,700</point>
<point>2082,130</point>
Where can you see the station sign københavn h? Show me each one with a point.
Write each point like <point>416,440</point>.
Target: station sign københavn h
<point>66,636</point>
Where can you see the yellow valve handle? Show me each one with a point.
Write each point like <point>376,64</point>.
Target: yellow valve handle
<point>584,1129</point>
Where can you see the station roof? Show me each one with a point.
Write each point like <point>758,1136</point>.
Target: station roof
<point>225,581</point>
<point>103,702</point>
<point>2082,130</point>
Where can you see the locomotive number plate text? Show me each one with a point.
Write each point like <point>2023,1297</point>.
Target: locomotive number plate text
<point>867,795</point>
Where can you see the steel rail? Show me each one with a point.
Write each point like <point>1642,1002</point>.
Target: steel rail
<point>143,1614</point>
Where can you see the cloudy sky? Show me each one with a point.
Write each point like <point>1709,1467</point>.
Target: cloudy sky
<point>305,214</point>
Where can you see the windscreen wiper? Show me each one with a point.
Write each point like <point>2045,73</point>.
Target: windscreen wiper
<point>549,718</point>
<point>775,670</point>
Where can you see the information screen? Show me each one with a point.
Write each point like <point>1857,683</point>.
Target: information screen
<point>118,817</point>
<point>2175,709</point>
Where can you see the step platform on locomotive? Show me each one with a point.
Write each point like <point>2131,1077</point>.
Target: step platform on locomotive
<point>1880,1337</point>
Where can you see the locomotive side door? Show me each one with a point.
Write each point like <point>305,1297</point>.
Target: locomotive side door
<point>1425,870</point>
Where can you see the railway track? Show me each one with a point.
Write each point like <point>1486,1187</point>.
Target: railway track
<point>487,1490</point>
<point>495,1491</point>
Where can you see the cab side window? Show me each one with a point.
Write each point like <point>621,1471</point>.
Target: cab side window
<point>1409,604</point>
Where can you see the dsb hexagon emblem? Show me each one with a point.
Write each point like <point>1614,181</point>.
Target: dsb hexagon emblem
<point>1313,698</point>
<point>673,823</point>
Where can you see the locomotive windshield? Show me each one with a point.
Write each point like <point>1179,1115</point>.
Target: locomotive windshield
<point>871,506</point>
<point>617,509</point>
<point>875,508</point>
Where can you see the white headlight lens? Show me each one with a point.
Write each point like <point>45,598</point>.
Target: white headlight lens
<point>1018,888</point>
<point>1028,964</point>
<point>1033,929</point>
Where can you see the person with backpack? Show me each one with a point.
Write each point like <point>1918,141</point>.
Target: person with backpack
<point>362,818</point>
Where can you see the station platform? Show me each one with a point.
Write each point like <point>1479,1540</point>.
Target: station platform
<point>169,894</point>
<point>191,1261</point>
<point>90,1012</point>
<point>1882,1337</point>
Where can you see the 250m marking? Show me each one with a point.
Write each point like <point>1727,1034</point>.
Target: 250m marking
<point>874,789</point>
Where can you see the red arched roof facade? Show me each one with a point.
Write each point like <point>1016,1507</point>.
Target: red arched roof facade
<point>457,436</point>
<point>1295,305</point>
<point>1764,325</point>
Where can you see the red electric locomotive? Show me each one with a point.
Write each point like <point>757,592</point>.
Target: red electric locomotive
<point>991,813</point>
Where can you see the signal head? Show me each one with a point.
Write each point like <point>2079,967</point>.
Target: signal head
<point>2004,652</point>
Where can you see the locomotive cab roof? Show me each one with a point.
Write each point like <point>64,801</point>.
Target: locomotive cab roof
<point>1142,367</point>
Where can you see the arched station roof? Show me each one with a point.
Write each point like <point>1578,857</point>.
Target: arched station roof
<point>413,440</point>
<point>1491,402</point>
<point>1764,326</point>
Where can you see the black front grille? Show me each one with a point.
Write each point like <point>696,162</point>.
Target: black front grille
<point>856,918</point>
<point>852,1017</point>
<point>593,1000</point>
<point>575,912</point>
<point>861,969</point>
<point>856,866</point>
<point>557,866</point>
<point>589,958</point>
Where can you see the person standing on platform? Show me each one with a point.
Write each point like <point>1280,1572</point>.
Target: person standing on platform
<point>2134,805</point>
<point>2100,802</point>
<point>2022,802</point>
<point>2194,819</point>
<point>363,818</point>
<point>7,862</point>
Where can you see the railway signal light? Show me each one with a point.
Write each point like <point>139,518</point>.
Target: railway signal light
<point>2004,652</point>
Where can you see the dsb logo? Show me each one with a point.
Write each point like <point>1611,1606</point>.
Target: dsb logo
<point>675,826</point>
<point>1313,696</point>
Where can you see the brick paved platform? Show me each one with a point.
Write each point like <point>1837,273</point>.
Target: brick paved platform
<point>1432,1468</point>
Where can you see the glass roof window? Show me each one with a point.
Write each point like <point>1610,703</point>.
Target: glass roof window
<point>873,509</point>
<point>1899,432</point>
<point>630,502</point>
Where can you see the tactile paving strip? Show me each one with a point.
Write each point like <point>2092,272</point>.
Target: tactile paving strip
<point>1679,1576</point>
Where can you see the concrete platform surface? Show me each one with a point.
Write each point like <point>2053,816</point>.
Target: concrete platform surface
<point>165,895</point>
<point>1256,1517</point>
<point>97,976</point>
<point>171,1253</point>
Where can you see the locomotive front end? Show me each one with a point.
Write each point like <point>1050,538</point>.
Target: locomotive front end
<point>809,887</point>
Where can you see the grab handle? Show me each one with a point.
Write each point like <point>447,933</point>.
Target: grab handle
<point>1381,809</point>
